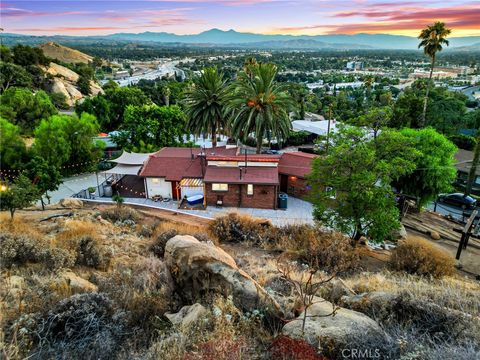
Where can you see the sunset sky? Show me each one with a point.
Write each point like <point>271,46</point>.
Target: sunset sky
<point>84,17</point>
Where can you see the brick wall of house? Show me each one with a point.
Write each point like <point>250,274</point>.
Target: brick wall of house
<point>264,196</point>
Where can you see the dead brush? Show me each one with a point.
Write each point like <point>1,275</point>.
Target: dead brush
<point>237,228</point>
<point>419,256</point>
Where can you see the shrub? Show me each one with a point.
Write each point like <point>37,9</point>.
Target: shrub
<point>421,257</point>
<point>286,348</point>
<point>82,326</point>
<point>331,251</point>
<point>56,258</point>
<point>463,141</point>
<point>120,214</point>
<point>239,228</point>
<point>18,250</point>
<point>89,253</point>
<point>158,248</point>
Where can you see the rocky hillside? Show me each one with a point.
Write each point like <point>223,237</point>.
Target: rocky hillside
<point>115,283</point>
<point>64,54</point>
<point>64,81</point>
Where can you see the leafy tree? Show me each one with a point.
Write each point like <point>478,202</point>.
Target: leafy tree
<point>359,173</point>
<point>119,99</point>
<point>5,54</point>
<point>433,37</point>
<point>205,104</point>
<point>19,195</point>
<point>473,170</point>
<point>374,119</point>
<point>13,75</point>
<point>25,109</point>
<point>59,100</point>
<point>83,84</point>
<point>45,176</point>
<point>259,104</point>
<point>13,152</point>
<point>435,170</point>
<point>110,85</point>
<point>25,55</point>
<point>66,141</point>
<point>98,106</point>
<point>152,125</point>
<point>471,119</point>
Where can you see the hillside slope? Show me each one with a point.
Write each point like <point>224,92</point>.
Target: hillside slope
<point>64,54</point>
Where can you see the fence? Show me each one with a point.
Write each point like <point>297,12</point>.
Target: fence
<point>99,190</point>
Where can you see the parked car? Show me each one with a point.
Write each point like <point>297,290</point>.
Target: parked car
<point>458,199</point>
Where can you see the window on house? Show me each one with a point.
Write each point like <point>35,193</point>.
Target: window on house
<point>250,189</point>
<point>220,187</point>
<point>155,181</point>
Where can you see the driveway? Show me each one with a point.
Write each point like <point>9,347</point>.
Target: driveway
<point>73,185</point>
<point>298,212</point>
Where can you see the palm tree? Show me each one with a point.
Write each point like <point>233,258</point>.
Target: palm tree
<point>432,38</point>
<point>205,104</point>
<point>259,104</point>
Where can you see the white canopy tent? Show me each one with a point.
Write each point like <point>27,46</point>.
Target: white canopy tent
<point>124,169</point>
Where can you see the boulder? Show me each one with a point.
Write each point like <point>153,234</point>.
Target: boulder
<point>188,315</point>
<point>335,330</point>
<point>95,89</point>
<point>198,268</point>
<point>71,203</point>
<point>368,302</point>
<point>434,235</point>
<point>400,233</point>
<point>338,289</point>
<point>58,86</point>
<point>73,92</point>
<point>61,71</point>
<point>77,283</point>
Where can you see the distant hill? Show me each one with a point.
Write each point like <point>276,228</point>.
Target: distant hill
<point>64,54</point>
<point>232,38</point>
<point>474,47</point>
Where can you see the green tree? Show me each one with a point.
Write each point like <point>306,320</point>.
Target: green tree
<point>473,170</point>
<point>98,106</point>
<point>25,109</point>
<point>13,152</point>
<point>259,104</point>
<point>359,174</point>
<point>25,55</point>
<point>149,125</point>
<point>375,119</point>
<point>205,104</point>
<point>119,99</point>
<point>13,75</point>
<point>65,142</point>
<point>21,193</point>
<point>435,171</point>
<point>5,54</point>
<point>44,176</point>
<point>433,38</point>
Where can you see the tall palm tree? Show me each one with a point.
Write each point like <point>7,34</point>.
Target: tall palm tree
<point>205,104</point>
<point>433,37</point>
<point>259,104</point>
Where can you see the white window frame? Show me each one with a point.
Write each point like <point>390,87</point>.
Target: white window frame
<point>155,181</point>
<point>220,187</point>
<point>250,189</point>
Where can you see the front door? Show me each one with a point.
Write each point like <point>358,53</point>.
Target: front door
<point>176,191</point>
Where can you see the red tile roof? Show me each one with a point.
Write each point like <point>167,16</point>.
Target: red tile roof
<point>231,175</point>
<point>297,164</point>
<point>250,157</point>
<point>175,163</point>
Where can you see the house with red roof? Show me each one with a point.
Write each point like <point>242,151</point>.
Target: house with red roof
<point>224,177</point>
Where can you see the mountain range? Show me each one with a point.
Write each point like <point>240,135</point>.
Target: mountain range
<point>232,38</point>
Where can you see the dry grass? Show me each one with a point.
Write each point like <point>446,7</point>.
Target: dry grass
<point>74,229</point>
<point>20,226</point>
<point>419,256</point>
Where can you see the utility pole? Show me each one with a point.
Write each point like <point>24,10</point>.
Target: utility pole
<point>467,231</point>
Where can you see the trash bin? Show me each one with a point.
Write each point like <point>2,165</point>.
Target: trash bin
<point>107,190</point>
<point>282,201</point>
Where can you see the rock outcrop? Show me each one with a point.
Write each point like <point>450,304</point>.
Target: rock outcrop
<point>336,330</point>
<point>187,316</point>
<point>71,203</point>
<point>77,283</point>
<point>200,267</point>
<point>63,72</point>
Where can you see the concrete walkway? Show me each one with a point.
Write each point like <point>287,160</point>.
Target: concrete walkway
<point>298,212</point>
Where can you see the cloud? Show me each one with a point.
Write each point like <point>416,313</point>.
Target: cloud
<point>397,19</point>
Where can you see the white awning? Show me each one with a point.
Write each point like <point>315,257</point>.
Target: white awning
<point>124,169</point>
<point>314,127</point>
<point>131,158</point>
